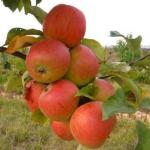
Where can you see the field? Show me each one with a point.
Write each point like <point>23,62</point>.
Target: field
<point>19,132</point>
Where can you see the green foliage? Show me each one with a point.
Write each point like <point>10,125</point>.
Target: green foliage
<point>37,12</point>
<point>128,50</point>
<point>38,117</point>
<point>96,47</point>
<point>145,104</point>
<point>20,31</point>
<point>10,78</point>
<point>87,91</point>
<point>123,52</point>
<point>143,136</point>
<point>117,104</point>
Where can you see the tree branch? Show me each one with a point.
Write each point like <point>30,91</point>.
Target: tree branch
<point>140,59</point>
<point>17,54</point>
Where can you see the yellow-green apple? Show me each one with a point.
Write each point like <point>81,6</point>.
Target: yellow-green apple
<point>87,126</point>
<point>32,94</point>
<point>62,130</point>
<point>65,23</point>
<point>60,100</point>
<point>48,60</point>
<point>83,66</point>
<point>104,90</point>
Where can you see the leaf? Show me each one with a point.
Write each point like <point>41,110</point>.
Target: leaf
<point>116,104</point>
<point>11,4</point>
<point>20,5</point>
<point>20,31</point>
<point>145,103</point>
<point>95,46</point>
<point>25,78</point>
<point>27,5</point>
<point>143,136</point>
<point>135,46</point>
<point>19,42</point>
<point>38,13</point>
<point>38,117</point>
<point>118,72</point>
<point>87,91</point>
<point>115,34</point>
<point>38,1</point>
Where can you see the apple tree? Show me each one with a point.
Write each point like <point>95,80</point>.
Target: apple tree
<point>69,80</point>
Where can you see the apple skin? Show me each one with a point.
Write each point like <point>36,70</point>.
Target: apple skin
<point>83,67</point>
<point>65,23</point>
<point>32,94</point>
<point>62,130</point>
<point>87,126</point>
<point>59,101</point>
<point>104,90</point>
<point>48,61</point>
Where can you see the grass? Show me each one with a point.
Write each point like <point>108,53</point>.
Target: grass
<point>19,132</point>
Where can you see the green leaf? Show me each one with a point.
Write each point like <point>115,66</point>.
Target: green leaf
<point>115,34</point>
<point>145,103</point>
<point>87,91</point>
<point>27,5</point>
<point>118,72</point>
<point>38,13</point>
<point>11,4</point>
<point>20,5</point>
<point>116,104</point>
<point>38,117</point>
<point>135,46</point>
<point>38,1</point>
<point>143,136</point>
<point>95,46</point>
<point>21,31</point>
<point>25,78</point>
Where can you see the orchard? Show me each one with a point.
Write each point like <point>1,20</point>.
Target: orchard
<point>69,80</point>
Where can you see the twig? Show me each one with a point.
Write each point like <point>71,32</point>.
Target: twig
<point>140,59</point>
<point>17,54</point>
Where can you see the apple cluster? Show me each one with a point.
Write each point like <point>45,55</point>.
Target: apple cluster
<point>59,66</point>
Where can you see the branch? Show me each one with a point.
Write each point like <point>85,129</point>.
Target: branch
<point>140,59</point>
<point>17,54</point>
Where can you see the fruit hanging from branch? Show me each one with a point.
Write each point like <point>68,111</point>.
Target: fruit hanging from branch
<point>87,126</point>
<point>48,60</point>
<point>60,100</point>
<point>65,23</point>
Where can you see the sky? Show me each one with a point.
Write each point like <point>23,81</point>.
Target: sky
<point>102,16</point>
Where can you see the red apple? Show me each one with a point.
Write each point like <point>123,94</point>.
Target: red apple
<point>60,100</point>
<point>87,126</point>
<point>62,130</point>
<point>65,23</point>
<point>104,90</point>
<point>48,61</point>
<point>83,67</point>
<point>32,94</point>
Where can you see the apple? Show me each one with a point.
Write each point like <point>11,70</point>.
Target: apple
<point>48,60</point>
<point>32,94</point>
<point>104,90</point>
<point>65,23</point>
<point>83,67</point>
<point>60,100</point>
<point>62,130</point>
<point>87,126</point>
